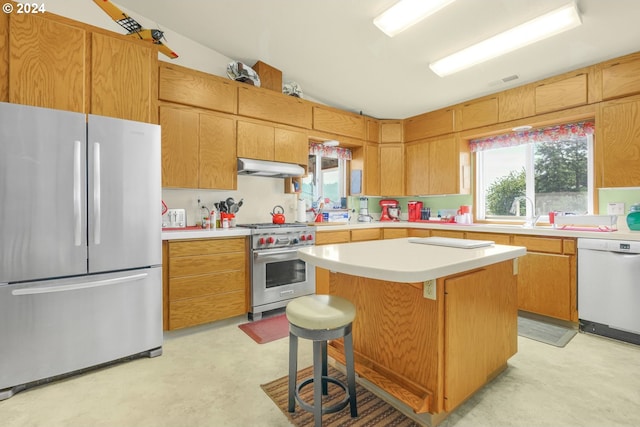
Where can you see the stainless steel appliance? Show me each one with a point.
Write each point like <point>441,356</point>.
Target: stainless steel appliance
<point>608,288</point>
<point>277,273</point>
<point>80,252</point>
<point>363,212</point>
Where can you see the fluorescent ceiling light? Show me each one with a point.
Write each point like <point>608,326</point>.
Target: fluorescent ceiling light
<point>550,24</point>
<point>406,13</point>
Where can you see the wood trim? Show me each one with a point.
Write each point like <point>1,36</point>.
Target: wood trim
<point>4,57</point>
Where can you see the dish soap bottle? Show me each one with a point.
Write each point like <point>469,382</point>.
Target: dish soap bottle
<point>633,218</point>
<point>212,219</point>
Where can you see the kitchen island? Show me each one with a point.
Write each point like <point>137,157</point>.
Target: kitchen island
<point>433,324</point>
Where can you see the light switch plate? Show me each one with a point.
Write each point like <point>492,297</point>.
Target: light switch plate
<point>616,208</point>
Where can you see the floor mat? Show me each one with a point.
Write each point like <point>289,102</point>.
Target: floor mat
<point>545,332</point>
<point>266,330</point>
<point>372,410</point>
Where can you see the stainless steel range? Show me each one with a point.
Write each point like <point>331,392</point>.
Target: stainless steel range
<point>277,274</point>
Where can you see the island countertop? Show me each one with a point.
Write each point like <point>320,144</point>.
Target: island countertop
<point>400,260</point>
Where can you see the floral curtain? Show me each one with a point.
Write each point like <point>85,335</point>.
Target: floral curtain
<point>330,152</point>
<point>563,132</point>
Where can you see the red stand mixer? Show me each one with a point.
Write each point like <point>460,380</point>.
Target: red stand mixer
<point>390,210</point>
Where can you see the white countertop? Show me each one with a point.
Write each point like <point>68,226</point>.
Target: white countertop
<point>199,233</point>
<point>399,260</point>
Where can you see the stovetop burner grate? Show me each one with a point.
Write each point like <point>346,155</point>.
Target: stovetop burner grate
<point>271,225</point>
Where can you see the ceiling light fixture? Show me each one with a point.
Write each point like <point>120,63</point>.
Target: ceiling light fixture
<point>406,13</point>
<point>547,25</point>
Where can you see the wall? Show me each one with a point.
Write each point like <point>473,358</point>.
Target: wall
<point>628,196</point>
<point>260,194</point>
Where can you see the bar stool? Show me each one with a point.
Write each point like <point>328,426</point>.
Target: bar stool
<point>321,318</point>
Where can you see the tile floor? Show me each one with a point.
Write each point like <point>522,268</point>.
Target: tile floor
<point>210,376</point>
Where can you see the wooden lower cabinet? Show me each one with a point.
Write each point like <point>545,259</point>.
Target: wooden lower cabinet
<point>395,233</point>
<point>448,233</point>
<point>547,282</point>
<point>361,235</point>
<point>205,281</point>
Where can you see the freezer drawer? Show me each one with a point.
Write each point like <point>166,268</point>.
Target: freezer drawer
<point>54,327</point>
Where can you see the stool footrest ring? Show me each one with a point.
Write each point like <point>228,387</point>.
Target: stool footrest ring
<point>328,409</point>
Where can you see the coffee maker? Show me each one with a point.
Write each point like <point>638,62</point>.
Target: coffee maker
<point>363,212</point>
<point>390,210</point>
<point>415,210</point>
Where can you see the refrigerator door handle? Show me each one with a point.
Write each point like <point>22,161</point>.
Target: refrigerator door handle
<point>96,193</point>
<point>72,287</point>
<point>77,193</point>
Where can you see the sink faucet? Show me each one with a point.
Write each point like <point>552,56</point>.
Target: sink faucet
<point>530,222</point>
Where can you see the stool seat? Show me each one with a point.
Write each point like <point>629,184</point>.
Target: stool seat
<point>317,312</point>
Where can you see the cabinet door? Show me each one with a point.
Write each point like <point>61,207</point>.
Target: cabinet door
<point>618,135</point>
<point>121,78</point>
<point>361,235</point>
<point>561,94</point>
<point>516,103</point>
<point>4,57</point>
<point>255,141</point>
<point>417,168</point>
<point>371,185</point>
<point>479,113</point>
<point>430,124</point>
<point>47,65</point>
<point>392,170</point>
<point>275,107</point>
<point>390,131</point>
<point>444,165</point>
<point>544,284</point>
<point>339,122</point>
<point>291,146</point>
<point>620,77</point>
<point>180,150</point>
<point>217,153</point>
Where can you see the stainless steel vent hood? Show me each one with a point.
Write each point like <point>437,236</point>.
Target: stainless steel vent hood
<point>270,169</point>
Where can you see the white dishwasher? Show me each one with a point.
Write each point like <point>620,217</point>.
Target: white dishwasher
<point>609,288</point>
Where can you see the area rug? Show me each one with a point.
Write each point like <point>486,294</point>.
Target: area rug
<point>545,332</point>
<point>372,411</point>
<point>266,330</point>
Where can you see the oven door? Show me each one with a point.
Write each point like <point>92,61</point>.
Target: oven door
<point>279,275</point>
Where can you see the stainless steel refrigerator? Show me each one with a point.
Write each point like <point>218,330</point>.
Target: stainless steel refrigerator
<point>80,243</point>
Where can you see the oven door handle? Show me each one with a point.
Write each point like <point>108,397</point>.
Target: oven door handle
<point>265,256</point>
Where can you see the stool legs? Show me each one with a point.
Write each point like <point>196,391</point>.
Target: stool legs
<point>351,374</point>
<point>293,370</point>
<point>325,390</point>
<point>319,384</point>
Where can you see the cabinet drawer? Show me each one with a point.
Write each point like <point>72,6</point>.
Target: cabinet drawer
<point>395,233</point>
<point>191,87</point>
<point>206,284</point>
<point>366,234</point>
<point>203,264</point>
<point>419,232</point>
<point>274,107</point>
<point>500,239</point>
<point>328,237</point>
<point>195,311</point>
<point>539,244</point>
<point>206,247</point>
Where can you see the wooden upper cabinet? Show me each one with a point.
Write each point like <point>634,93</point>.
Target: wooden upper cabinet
<point>339,122</point>
<point>621,77</point>
<point>255,141</point>
<point>373,130</point>
<point>561,94</point>
<point>47,63</point>
<point>190,87</point>
<point>275,107</point>
<point>479,113</point>
<point>391,169</point>
<point>371,184</point>
<point>390,131</point>
<point>430,124</point>
<point>618,149</point>
<point>4,57</point>
<point>218,164</point>
<point>417,168</point>
<point>291,146</point>
<point>516,103</point>
<point>123,78</point>
<point>180,147</point>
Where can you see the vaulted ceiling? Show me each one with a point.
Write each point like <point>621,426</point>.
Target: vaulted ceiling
<point>334,52</point>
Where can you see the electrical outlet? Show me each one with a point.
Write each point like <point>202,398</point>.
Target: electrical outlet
<point>616,208</point>
<point>429,289</point>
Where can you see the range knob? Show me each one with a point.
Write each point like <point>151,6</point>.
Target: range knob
<point>303,237</point>
<point>310,237</point>
<point>295,241</point>
<point>270,240</point>
<point>261,241</point>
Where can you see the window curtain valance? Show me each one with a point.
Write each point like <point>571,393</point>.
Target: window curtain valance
<point>330,152</point>
<point>563,132</point>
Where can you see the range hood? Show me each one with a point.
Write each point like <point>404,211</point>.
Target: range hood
<point>270,169</point>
